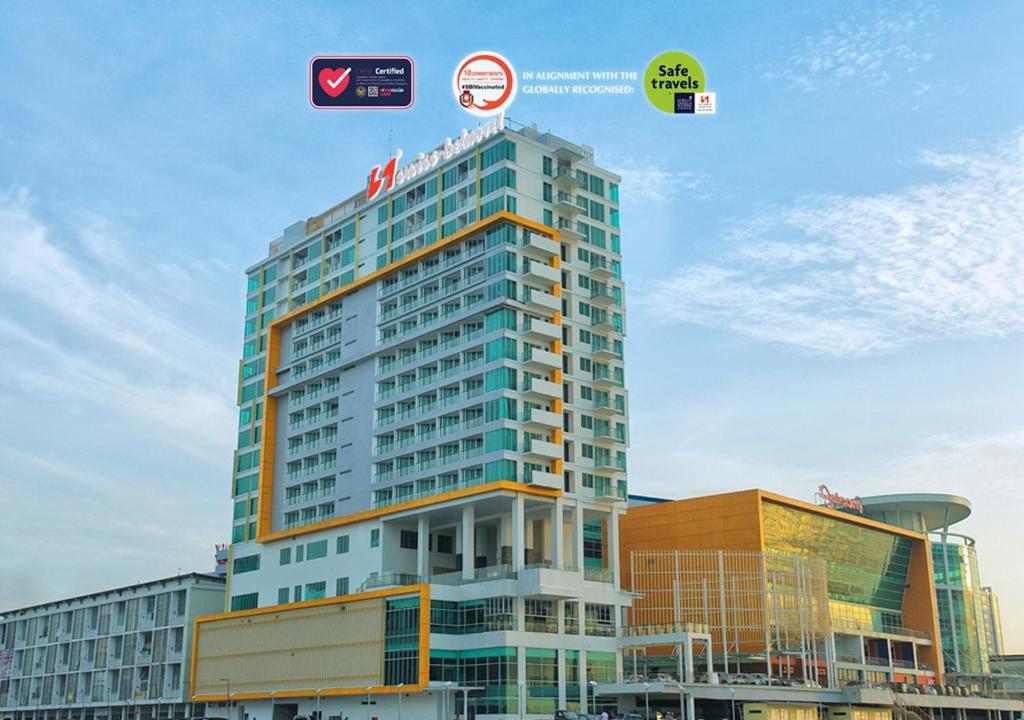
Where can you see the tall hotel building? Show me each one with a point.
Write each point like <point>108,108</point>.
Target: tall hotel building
<point>432,445</point>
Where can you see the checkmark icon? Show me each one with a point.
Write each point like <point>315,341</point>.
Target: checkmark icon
<point>333,81</point>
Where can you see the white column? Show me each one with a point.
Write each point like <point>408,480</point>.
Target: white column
<point>468,541</point>
<point>557,531</point>
<point>584,680</point>
<point>518,532</point>
<point>423,548</point>
<point>613,550</point>
<point>503,523</point>
<point>521,674</point>
<point>577,521</point>
<point>687,661</point>
<point>561,677</point>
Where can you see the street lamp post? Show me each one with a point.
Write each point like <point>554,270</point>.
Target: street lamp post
<point>732,704</point>
<point>318,691</point>
<point>592,685</point>
<point>368,702</point>
<point>522,699</point>
<point>400,686</point>
<point>647,701</point>
<point>447,685</point>
<point>228,681</point>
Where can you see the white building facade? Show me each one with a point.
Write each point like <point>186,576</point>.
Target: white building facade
<point>433,415</point>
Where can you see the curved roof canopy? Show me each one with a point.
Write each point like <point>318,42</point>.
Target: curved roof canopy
<point>938,510</point>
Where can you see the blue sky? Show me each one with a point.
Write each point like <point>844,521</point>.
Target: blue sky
<point>826,279</point>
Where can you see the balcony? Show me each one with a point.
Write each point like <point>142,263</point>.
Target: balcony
<point>390,579</point>
<point>604,381</point>
<point>602,349</point>
<point>541,360</point>
<point>607,491</point>
<point>605,409</point>
<point>540,330</point>
<point>540,301</point>
<point>601,296</point>
<point>539,247</point>
<point>605,437</point>
<point>546,581</point>
<point>542,389</point>
<point>484,574</point>
<point>566,203</point>
<point>565,177</point>
<point>608,466</point>
<point>600,268</point>
<point>544,274</point>
<point>603,322</point>
<point>542,451</point>
<point>542,420</point>
<point>567,230</point>
<point>545,479</point>
<point>597,574</point>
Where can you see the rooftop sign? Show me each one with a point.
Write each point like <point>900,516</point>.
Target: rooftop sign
<point>391,176</point>
<point>837,501</point>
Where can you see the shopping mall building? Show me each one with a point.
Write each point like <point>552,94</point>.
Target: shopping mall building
<point>787,588</point>
<point>969,622</point>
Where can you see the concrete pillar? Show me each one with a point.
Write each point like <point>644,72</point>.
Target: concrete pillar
<point>577,521</point>
<point>503,524</point>
<point>584,680</point>
<point>613,550</point>
<point>521,674</point>
<point>687,661</point>
<point>423,548</point>
<point>561,677</point>
<point>518,532</point>
<point>557,532</point>
<point>468,541</point>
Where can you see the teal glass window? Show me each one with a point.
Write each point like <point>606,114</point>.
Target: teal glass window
<point>316,550</point>
<point>500,470</point>
<point>248,601</point>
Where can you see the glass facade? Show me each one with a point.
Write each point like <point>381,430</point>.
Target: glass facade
<point>867,568</point>
<point>601,668</point>
<point>541,681</point>
<point>473,616</point>
<point>402,641</point>
<point>961,613</point>
<point>493,669</point>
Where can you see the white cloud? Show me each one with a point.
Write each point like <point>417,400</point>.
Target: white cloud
<point>861,275</point>
<point>861,50</point>
<point>116,408</point>
<point>650,182</point>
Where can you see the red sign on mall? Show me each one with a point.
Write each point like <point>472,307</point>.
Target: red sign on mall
<point>839,502</point>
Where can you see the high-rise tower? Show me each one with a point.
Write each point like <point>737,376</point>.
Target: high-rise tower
<point>432,434</point>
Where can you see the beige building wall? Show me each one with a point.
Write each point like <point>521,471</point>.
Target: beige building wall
<point>325,646</point>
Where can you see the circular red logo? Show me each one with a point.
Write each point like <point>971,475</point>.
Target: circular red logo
<point>484,83</point>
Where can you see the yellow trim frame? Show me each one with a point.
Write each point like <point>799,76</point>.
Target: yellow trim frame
<point>267,444</point>
<point>423,589</point>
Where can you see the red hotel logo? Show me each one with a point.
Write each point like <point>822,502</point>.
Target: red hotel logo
<point>392,175</point>
<point>838,502</point>
<point>377,178</point>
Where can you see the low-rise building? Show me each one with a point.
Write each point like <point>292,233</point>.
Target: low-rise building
<point>119,654</point>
